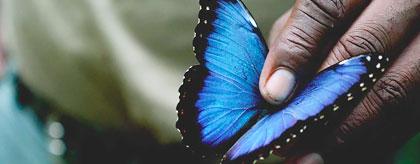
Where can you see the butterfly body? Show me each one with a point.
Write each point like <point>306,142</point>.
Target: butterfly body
<point>221,110</point>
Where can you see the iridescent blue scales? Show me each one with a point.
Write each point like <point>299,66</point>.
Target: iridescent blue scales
<point>221,111</point>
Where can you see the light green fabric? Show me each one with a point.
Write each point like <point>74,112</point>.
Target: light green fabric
<point>109,61</point>
<point>80,56</point>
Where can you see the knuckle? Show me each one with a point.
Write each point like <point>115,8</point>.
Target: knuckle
<point>336,7</point>
<point>392,88</point>
<point>293,52</point>
<point>378,34</point>
<point>317,12</point>
<point>369,109</point>
<point>332,8</point>
<point>296,47</point>
<point>365,38</point>
<point>341,51</point>
<point>304,34</point>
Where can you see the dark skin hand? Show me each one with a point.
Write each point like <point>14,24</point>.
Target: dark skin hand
<point>315,34</point>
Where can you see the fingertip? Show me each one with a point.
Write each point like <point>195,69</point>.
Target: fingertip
<point>278,86</point>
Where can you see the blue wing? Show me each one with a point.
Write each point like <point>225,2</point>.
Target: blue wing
<point>220,99</point>
<point>344,81</point>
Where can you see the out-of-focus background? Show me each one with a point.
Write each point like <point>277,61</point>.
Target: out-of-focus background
<point>95,81</point>
<point>90,81</point>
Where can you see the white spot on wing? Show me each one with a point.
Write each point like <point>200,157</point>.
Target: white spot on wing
<point>368,58</point>
<point>335,108</point>
<point>342,62</point>
<point>364,89</point>
<point>252,22</point>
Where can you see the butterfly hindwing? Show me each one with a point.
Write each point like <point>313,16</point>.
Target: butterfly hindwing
<point>340,83</point>
<point>219,98</point>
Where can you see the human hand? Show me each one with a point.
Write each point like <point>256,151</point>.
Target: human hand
<point>315,34</point>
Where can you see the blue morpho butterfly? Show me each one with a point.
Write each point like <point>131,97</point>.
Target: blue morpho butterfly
<point>221,110</point>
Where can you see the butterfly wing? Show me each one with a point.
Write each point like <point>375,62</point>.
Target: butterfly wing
<point>219,98</point>
<point>340,83</point>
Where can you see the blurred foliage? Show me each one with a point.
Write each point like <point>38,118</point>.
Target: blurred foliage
<point>409,153</point>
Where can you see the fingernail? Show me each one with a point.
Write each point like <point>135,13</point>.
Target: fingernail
<point>312,158</point>
<point>280,85</point>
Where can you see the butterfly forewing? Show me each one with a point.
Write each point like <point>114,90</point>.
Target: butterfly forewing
<point>219,99</point>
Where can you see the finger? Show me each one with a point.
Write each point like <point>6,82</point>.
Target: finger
<point>277,26</point>
<point>399,85</point>
<point>380,28</point>
<point>298,42</point>
<point>370,133</point>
